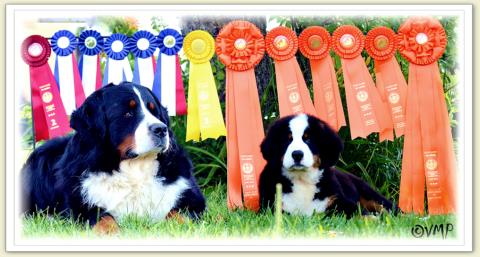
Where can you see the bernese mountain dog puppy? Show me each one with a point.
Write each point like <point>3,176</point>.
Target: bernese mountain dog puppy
<point>121,160</point>
<point>301,152</point>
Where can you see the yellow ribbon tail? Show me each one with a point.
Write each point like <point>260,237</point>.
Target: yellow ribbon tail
<point>205,119</point>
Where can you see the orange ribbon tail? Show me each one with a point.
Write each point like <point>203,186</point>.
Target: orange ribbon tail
<point>244,160</point>
<point>432,161</point>
<point>393,89</point>
<point>292,91</point>
<point>366,111</point>
<point>328,103</point>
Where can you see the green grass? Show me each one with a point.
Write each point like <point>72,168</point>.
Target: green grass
<point>220,223</point>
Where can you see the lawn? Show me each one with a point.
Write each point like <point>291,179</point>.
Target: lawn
<point>220,223</point>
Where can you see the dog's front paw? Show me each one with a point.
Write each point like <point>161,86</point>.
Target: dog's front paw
<point>175,215</point>
<point>106,226</point>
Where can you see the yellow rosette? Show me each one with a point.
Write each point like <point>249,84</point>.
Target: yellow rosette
<point>205,119</point>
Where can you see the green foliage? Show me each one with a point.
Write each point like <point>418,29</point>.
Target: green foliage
<point>220,223</point>
<point>26,126</point>
<point>157,24</point>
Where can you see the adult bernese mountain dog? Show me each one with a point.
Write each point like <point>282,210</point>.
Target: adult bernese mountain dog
<point>301,152</point>
<point>121,160</point>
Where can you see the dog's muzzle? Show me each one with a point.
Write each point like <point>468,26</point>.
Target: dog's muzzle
<point>159,134</point>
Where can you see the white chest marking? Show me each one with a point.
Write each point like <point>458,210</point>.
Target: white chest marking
<point>300,200</point>
<point>134,189</point>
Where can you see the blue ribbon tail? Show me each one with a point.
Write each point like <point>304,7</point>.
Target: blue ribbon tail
<point>157,80</point>
<point>80,66</point>
<point>136,73</point>
<point>55,73</point>
<point>105,73</point>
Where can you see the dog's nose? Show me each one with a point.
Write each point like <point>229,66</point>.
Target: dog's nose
<point>297,156</point>
<point>158,129</point>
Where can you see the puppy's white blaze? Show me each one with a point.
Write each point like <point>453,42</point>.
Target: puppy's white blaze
<point>133,190</point>
<point>143,138</point>
<point>300,201</point>
<point>297,126</point>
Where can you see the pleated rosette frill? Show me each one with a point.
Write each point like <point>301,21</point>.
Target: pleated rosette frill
<point>90,45</point>
<point>117,69</point>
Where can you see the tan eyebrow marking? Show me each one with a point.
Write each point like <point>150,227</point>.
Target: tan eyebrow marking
<point>151,106</point>
<point>132,103</point>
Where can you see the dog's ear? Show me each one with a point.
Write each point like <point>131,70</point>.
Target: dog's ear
<point>89,119</point>
<point>329,144</point>
<point>270,147</point>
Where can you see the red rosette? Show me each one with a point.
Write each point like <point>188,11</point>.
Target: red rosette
<point>314,42</point>
<point>421,40</point>
<point>240,45</point>
<point>281,43</point>
<point>380,43</point>
<point>348,41</point>
<point>35,50</point>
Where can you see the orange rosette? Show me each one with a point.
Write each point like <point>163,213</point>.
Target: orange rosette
<point>348,41</point>
<point>366,111</point>
<point>314,43</point>
<point>293,95</point>
<point>381,45</point>
<point>240,46</point>
<point>421,40</point>
<point>428,156</point>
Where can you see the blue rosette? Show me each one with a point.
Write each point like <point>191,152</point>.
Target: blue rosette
<point>90,42</point>
<point>117,46</point>
<point>63,42</point>
<point>117,68</point>
<point>144,44</point>
<point>170,41</point>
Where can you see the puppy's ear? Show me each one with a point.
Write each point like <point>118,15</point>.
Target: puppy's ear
<point>330,145</point>
<point>270,146</point>
<point>89,119</point>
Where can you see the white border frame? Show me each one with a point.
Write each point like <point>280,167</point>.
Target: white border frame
<point>464,44</point>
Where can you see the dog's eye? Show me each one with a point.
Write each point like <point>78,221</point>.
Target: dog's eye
<point>305,136</point>
<point>151,106</point>
<point>132,104</point>
<point>290,137</point>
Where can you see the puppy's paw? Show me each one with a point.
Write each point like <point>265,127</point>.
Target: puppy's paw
<point>175,215</point>
<point>106,226</point>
